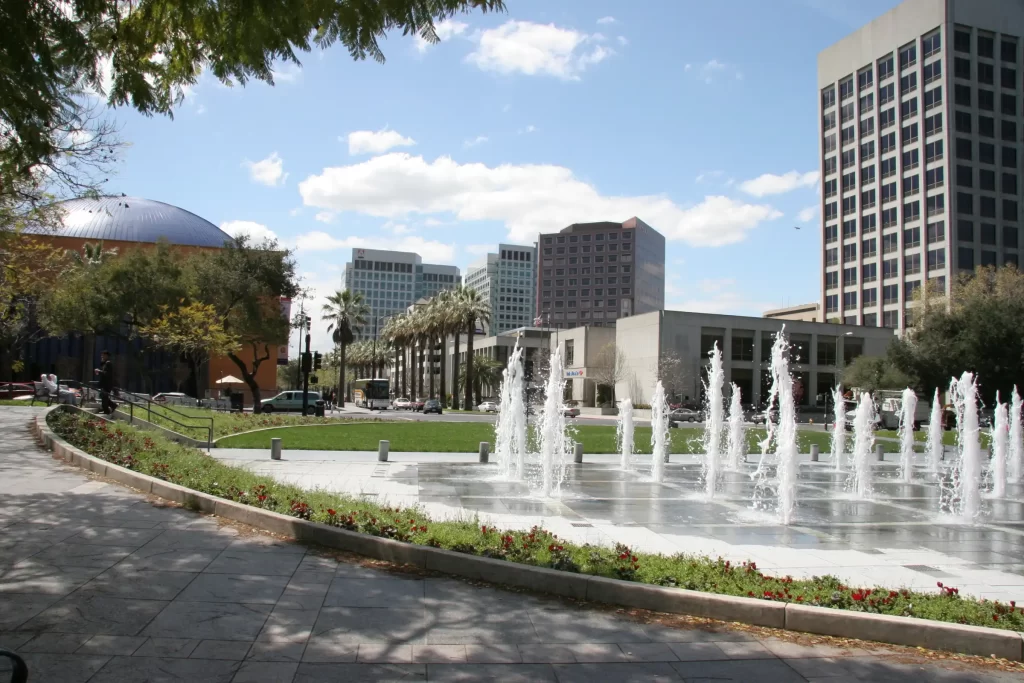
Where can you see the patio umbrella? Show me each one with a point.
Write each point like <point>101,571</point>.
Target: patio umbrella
<point>230,379</point>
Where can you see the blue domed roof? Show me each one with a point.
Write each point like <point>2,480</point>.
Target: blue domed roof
<point>133,219</point>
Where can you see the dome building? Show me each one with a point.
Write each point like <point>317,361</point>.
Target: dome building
<point>124,224</point>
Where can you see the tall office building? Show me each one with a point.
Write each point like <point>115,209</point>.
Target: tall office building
<point>596,273</point>
<point>921,124</point>
<point>391,281</point>
<point>507,279</point>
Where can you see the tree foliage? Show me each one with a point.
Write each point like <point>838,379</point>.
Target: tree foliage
<point>193,330</point>
<point>871,373</point>
<point>145,53</point>
<point>981,330</point>
<point>345,312</point>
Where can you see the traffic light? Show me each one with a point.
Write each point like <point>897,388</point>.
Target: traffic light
<point>317,360</point>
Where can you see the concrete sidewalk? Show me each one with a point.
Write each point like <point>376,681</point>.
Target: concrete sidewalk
<point>99,585</point>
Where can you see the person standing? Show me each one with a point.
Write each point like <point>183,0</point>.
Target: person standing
<point>106,377</point>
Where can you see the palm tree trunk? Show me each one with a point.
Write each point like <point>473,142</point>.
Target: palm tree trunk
<point>455,371</point>
<point>342,389</point>
<point>405,369</point>
<point>470,328</point>
<point>430,363</point>
<point>417,376</point>
<point>444,366</point>
<point>395,376</point>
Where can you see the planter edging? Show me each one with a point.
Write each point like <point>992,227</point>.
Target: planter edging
<point>908,631</point>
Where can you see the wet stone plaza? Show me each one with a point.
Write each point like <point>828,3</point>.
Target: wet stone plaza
<point>896,539</point>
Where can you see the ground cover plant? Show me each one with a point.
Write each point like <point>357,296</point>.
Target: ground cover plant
<point>190,467</point>
<point>465,437</point>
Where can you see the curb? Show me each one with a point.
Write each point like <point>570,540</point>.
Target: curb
<point>935,635</point>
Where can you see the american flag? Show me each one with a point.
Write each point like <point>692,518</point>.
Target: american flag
<point>538,321</point>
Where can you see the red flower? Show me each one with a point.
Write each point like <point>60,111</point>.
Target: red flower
<point>799,598</point>
<point>939,584</point>
<point>857,596</point>
<point>750,593</point>
<point>995,617</point>
<point>331,512</point>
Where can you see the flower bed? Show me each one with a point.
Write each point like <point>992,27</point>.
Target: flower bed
<point>191,468</point>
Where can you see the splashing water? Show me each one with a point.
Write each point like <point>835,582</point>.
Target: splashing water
<point>934,446</point>
<point>714,410</point>
<point>863,441</point>
<point>1016,449</point>
<point>838,445</point>
<point>737,441</point>
<point>510,430</point>
<point>782,435</point>
<point>1000,442</point>
<point>963,498</point>
<point>908,411</point>
<point>555,446</point>
<point>624,434</point>
<point>659,432</point>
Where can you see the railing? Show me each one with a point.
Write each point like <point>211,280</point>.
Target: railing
<point>142,402</point>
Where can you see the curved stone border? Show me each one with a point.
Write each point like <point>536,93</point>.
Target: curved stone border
<point>319,424</point>
<point>934,635</point>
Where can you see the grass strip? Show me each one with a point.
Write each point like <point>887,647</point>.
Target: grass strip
<point>158,457</point>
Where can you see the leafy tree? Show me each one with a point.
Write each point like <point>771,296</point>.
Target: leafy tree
<point>673,375</point>
<point>346,313</point>
<point>486,372</point>
<point>195,332</point>
<point>978,329</point>
<point>871,373</point>
<point>151,50</point>
<point>245,284</point>
<point>610,367</point>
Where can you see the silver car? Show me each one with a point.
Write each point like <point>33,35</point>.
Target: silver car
<point>290,401</point>
<point>488,407</point>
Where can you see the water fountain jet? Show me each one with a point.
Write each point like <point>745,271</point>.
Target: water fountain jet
<point>554,444</point>
<point>863,441</point>
<point>964,496</point>
<point>713,411</point>
<point>934,446</point>
<point>1016,446</point>
<point>624,434</point>
<point>838,444</point>
<point>659,432</point>
<point>908,411</point>
<point>736,445</point>
<point>1000,442</point>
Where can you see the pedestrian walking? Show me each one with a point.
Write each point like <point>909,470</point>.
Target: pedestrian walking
<point>105,372</point>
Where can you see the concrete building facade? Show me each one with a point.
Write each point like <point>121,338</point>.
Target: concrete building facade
<point>392,281</point>
<point>920,129</point>
<point>587,355</point>
<point>808,312</point>
<point>507,279</point>
<point>819,352</point>
<point>596,273</point>
<point>499,347</point>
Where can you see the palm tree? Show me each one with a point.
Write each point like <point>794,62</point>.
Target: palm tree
<point>455,317</point>
<point>473,308</point>
<point>487,372</point>
<point>346,313</point>
<point>446,323</point>
<point>390,336</point>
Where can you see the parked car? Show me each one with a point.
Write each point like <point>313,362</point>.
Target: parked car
<point>416,404</point>
<point>683,415</point>
<point>401,404</point>
<point>488,407</point>
<point>290,401</point>
<point>432,406</point>
<point>571,410</point>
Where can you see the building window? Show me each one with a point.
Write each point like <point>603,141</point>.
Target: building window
<point>889,217</point>
<point>849,181</point>
<point>890,243</point>
<point>864,79</point>
<point>1009,130</point>
<point>891,319</point>
<point>869,272</point>
<point>742,348</point>
<point>911,211</point>
<point>887,143</point>
<point>867,127</point>
<point>911,264</point>
<point>1010,210</point>
<point>888,167</point>
<point>988,207</point>
<point>849,205</point>
<point>986,74</point>
<point>829,165</point>
<point>869,297</point>
<point>849,300</point>
<point>831,233</point>
<point>986,126</point>
<point>987,180</point>
<point>935,204</point>
<point>849,253</point>
<point>1009,237</point>
<point>911,159</point>
<point>987,153</point>
<point>962,95</point>
<point>986,100</point>
<point>1008,104</point>
<point>1008,50</point>
<point>962,68</point>
<point>962,122</point>
<point>889,192</point>
<point>933,151</point>
<point>931,44</point>
<point>849,229</point>
<point>886,118</point>
<point>908,108</point>
<point>934,177</point>
<point>832,256</point>
<point>832,280</point>
<point>962,41</point>
<point>832,303</point>
<point>890,294</point>
<point>846,88</point>
<point>933,124</point>
<point>867,199</point>
<point>885,68</point>
<point>936,231</point>
<point>932,72</point>
<point>870,320</point>
<point>890,268</point>
<point>936,259</point>
<point>965,231</point>
<point>849,276</point>
<point>910,288</point>
<point>965,258</point>
<point>869,248</point>
<point>986,46</point>
<point>964,149</point>
<point>908,55</point>
<point>988,258</point>
<point>867,103</point>
<point>867,175</point>
<point>830,143</point>
<point>849,158</point>
<point>831,211</point>
<point>933,98</point>
<point>868,223</point>
<point>1009,157</point>
<point>886,94</point>
<point>911,184</point>
<point>908,83</point>
<point>1008,77</point>
<point>911,238</point>
<point>965,203</point>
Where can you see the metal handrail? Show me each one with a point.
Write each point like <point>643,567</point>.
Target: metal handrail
<point>145,401</point>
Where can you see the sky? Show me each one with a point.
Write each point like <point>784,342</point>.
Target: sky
<point>698,117</point>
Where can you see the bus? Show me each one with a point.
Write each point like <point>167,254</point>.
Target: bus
<point>374,394</point>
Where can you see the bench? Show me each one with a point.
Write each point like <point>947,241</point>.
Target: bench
<point>42,393</point>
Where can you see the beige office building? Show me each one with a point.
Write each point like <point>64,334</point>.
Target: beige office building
<point>920,128</point>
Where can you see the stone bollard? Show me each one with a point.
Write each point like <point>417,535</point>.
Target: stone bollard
<point>485,451</point>
<point>880,452</point>
<point>275,449</point>
<point>382,450</point>
<point>815,451</point>
<point>577,453</point>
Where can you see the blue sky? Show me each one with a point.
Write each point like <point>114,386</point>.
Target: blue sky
<point>698,117</point>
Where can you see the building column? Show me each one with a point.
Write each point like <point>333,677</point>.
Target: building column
<point>727,356</point>
<point>755,384</point>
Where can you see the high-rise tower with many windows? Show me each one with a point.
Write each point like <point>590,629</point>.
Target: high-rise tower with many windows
<point>922,117</point>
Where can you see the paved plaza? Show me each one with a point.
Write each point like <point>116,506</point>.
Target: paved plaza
<point>98,584</point>
<point>897,540</point>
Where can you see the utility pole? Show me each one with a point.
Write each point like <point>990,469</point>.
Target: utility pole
<point>373,360</point>
<point>307,365</point>
<point>302,326</point>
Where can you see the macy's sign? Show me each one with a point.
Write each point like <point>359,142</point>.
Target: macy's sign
<point>579,372</point>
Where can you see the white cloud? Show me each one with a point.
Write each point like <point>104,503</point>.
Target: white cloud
<point>269,171</point>
<point>397,228</point>
<point>432,223</point>
<point>532,49</point>
<point>713,296</point>
<point>708,175</point>
<point>324,217</point>
<point>445,30</point>
<point>431,250</point>
<point>201,109</point>
<point>256,232</point>
<point>807,215</point>
<point>527,199</point>
<point>473,142</point>
<point>529,129</point>
<point>769,183</point>
<point>287,72</point>
<point>606,20</point>
<point>376,142</point>
<point>711,70</point>
<point>623,40</point>
<point>296,211</point>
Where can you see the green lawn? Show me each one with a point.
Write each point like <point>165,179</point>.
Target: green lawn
<point>921,436</point>
<point>225,423</point>
<point>465,437</point>
<point>11,402</point>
